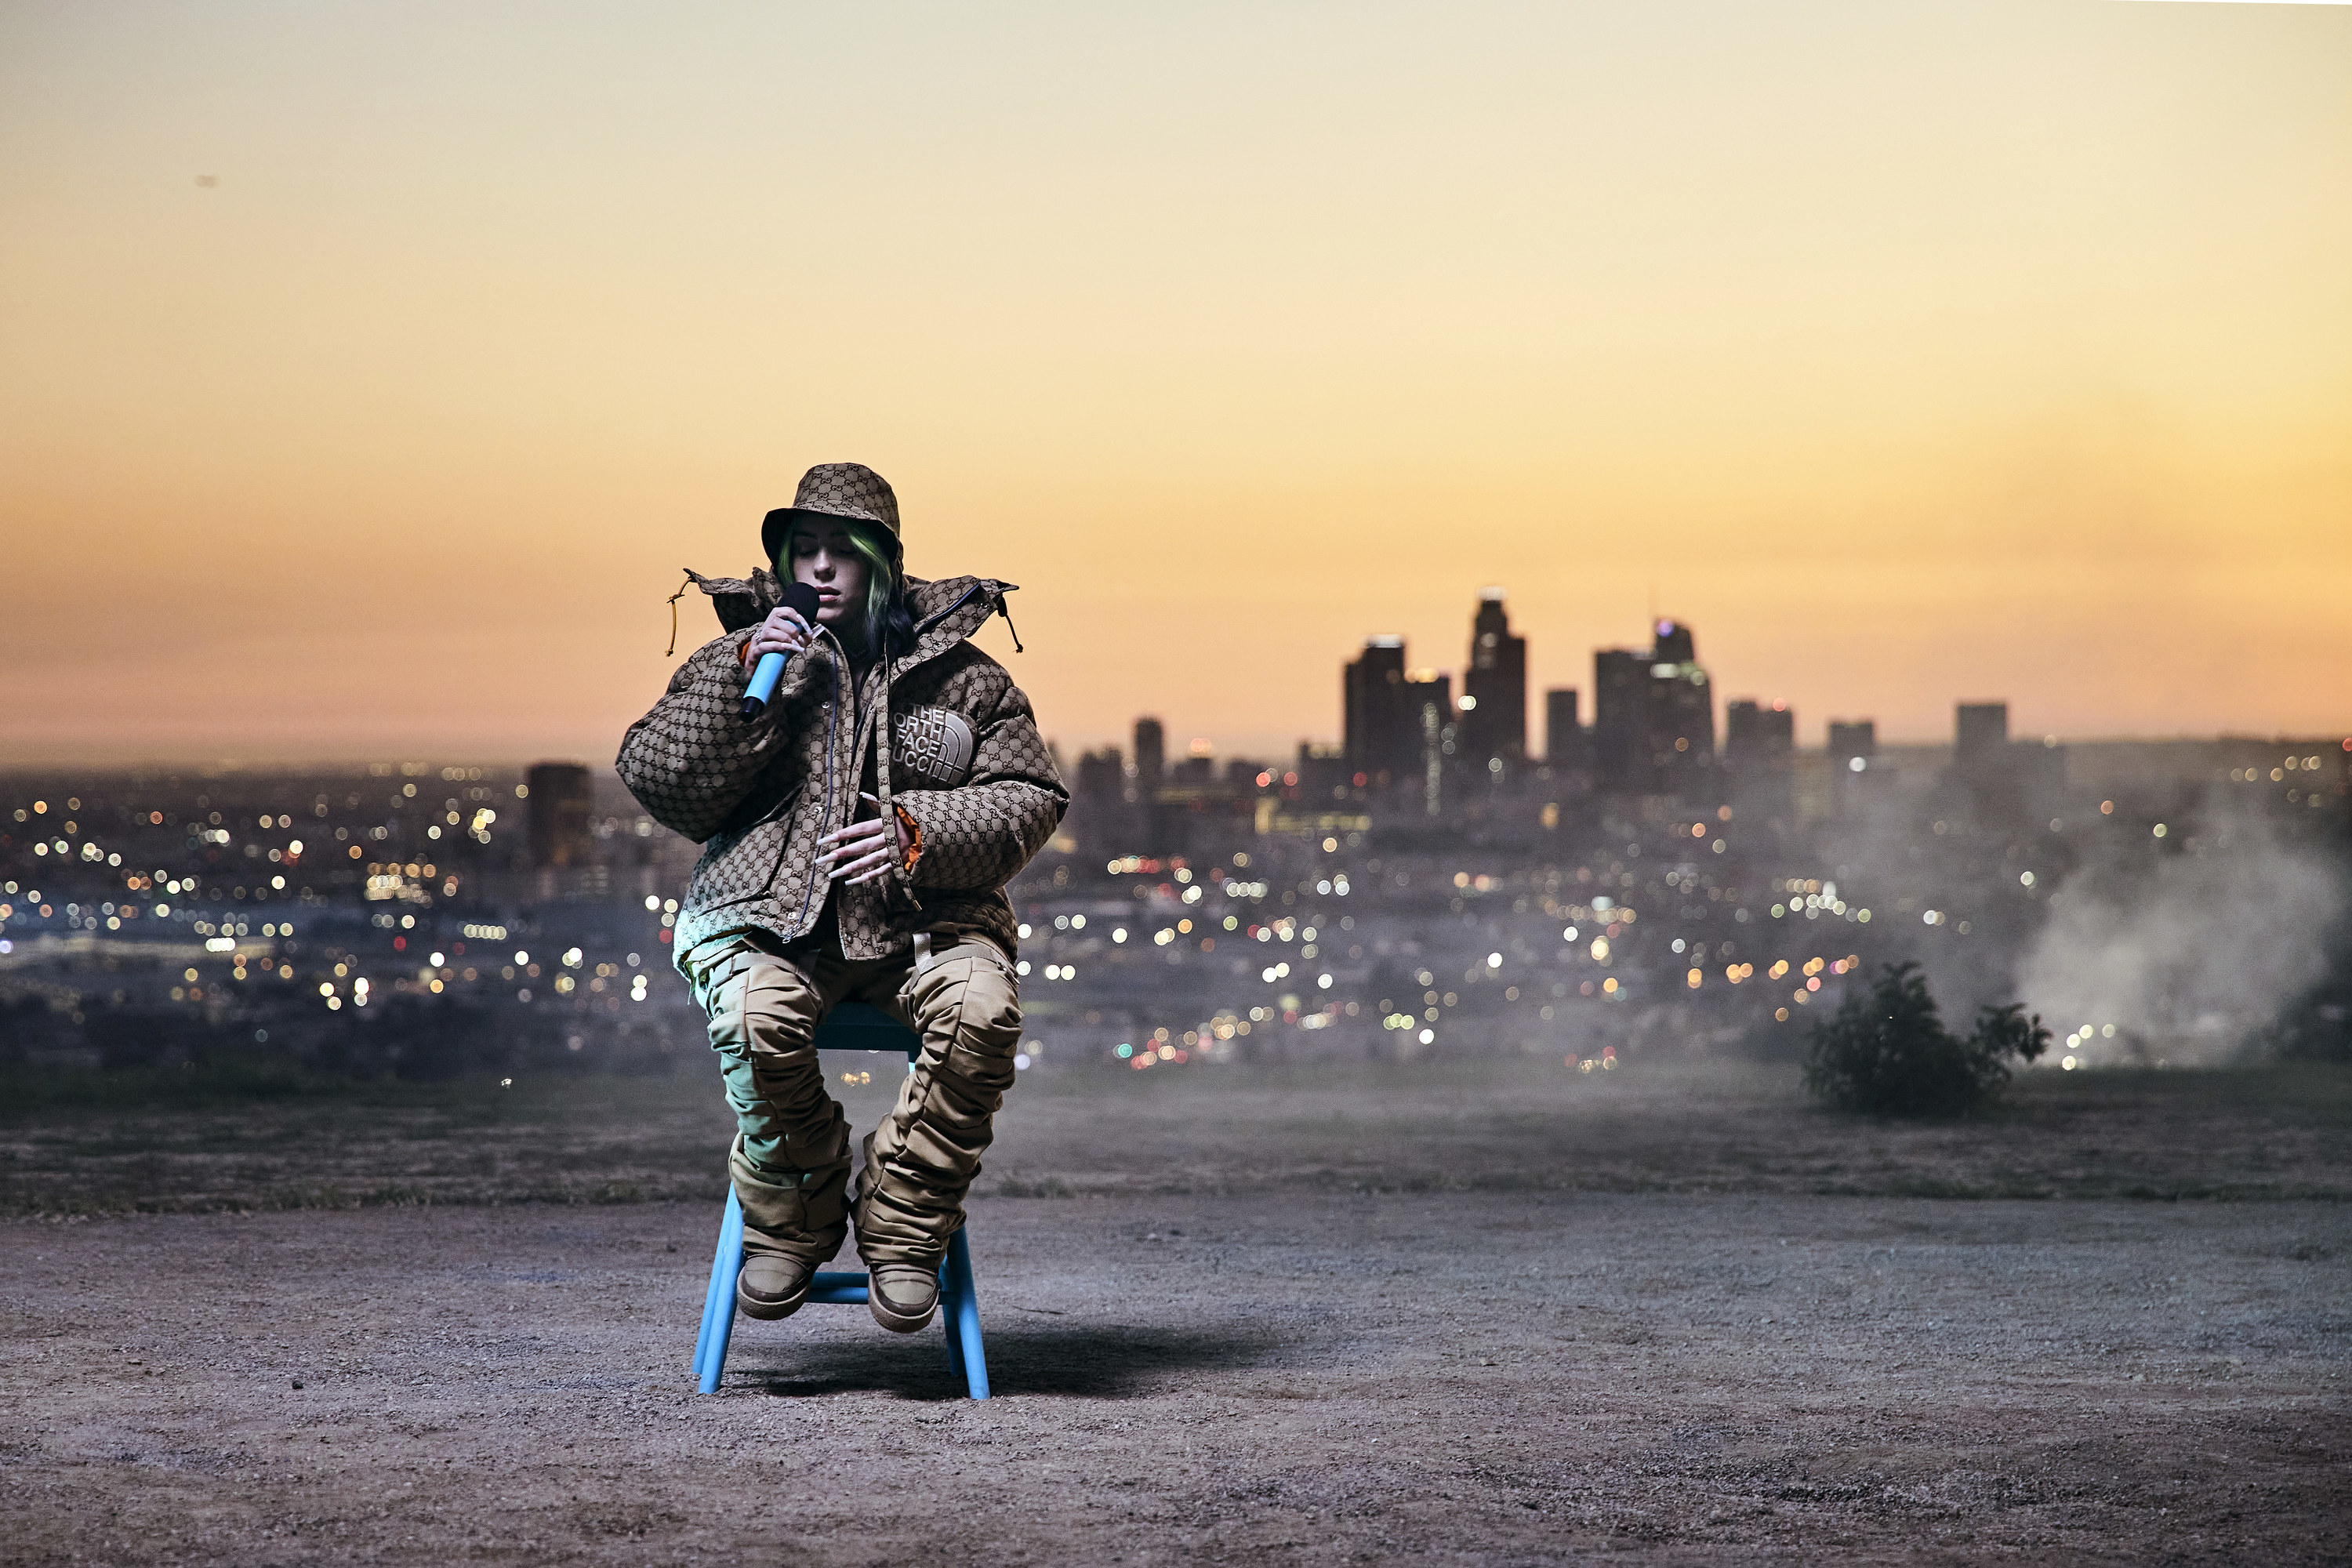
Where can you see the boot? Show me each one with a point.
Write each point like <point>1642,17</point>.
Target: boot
<point>773,1285</point>
<point>902,1296</point>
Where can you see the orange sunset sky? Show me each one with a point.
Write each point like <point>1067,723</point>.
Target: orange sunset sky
<point>368,372</point>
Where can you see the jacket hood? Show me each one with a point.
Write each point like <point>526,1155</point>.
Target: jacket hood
<point>946,611</point>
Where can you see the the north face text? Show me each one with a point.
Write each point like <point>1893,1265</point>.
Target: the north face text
<point>934,744</point>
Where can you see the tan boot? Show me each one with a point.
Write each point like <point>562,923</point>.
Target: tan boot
<point>902,1296</point>
<point>772,1286</point>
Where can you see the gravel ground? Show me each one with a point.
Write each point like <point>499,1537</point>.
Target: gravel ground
<point>1651,1126</point>
<point>1300,1368</point>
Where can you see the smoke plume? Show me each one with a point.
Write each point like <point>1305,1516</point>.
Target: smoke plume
<point>2176,956</point>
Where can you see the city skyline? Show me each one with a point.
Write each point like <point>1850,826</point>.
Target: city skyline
<point>1672,874</point>
<point>366,382</point>
<point>1579,698</point>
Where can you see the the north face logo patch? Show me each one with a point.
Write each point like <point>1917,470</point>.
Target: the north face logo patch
<point>935,744</point>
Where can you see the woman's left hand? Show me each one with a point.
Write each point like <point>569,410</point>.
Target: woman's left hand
<point>862,850</point>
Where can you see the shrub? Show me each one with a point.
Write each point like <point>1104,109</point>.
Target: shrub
<point>1886,1051</point>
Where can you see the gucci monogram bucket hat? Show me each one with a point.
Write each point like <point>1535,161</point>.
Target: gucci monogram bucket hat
<point>850,490</point>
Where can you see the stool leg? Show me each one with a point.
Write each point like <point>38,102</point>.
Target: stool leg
<point>709,1301</point>
<point>960,1312</point>
<point>949,1325</point>
<point>718,1302</point>
<point>710,1298</point>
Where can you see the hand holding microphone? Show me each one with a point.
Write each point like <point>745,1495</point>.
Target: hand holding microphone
<point>786,631</point>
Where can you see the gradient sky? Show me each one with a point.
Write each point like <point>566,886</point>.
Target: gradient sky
<point>1911,353</point>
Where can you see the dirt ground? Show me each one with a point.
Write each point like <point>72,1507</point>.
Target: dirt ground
<point>1480,1313</point>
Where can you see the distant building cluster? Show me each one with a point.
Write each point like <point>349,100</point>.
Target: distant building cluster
<point>1433,881</point>
<point>1652,731</point>
<point>408,919</point>
<point>1414,750</point>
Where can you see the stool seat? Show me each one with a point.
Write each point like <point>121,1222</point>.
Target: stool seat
<point>851,1027</point>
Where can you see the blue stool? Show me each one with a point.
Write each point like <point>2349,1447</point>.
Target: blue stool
<point>851,1026</point>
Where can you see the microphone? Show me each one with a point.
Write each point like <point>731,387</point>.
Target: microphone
<point>801,600</point>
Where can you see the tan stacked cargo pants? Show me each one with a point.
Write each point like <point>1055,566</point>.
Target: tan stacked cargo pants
<point>790,1163</point>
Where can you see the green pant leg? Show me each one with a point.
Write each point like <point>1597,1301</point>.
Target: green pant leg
<point>921,1159</point>
<point>789,1161</point>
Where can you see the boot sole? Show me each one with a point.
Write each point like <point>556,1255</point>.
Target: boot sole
<point>896,1322</point>
<point>769,1312</point>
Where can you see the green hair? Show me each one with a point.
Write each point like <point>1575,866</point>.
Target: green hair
<point>887,619</point>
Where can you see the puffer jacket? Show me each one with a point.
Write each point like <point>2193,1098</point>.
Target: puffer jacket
<point>966,765</point>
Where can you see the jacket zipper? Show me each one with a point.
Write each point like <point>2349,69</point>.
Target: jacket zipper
<point>832,721</point>
<point>930,621</point>
<point>832,715</point>
<point>891,672</point>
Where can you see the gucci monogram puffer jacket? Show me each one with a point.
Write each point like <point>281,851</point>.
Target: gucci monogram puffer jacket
<point>965,761</point>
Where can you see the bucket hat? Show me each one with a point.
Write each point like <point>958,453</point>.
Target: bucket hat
<point>850,490</point>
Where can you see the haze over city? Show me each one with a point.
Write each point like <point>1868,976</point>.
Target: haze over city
<point>366,378</point>
<point>1668,878</point>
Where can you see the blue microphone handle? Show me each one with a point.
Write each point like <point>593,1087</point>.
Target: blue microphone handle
<point>800,602</point>
<point>756,696</point>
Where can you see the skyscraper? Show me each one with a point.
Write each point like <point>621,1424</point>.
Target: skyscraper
<point>1621,750</point>
<point>1760,745</point>
<point>1753,733</point>
<point>1102,777</point>
<point>1674,645</point>
<point>1679,714</point>
<point>1980,744</point>
<point>1430,698</point>
<point>1494,688</point>
<point>1852,743</point>
<point>2005,778</point>
<point>1653,718</point>
<point>1563,732</point>
<point>1382,729</point>
<point>561,803</point>
<point>1851,738</point>
<point>1151,752</point>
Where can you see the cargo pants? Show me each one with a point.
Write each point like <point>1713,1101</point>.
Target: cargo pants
<point>790,1163</point>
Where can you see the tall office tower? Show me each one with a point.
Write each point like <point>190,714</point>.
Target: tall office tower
<point>1679,717</point>
<point>1151,752</point>
<point>1494,688</point>
<point>1384,734</point>
<point>1436,735</point>
<point>1753,733</point>
<point>1563,734</point>
<point>561,803</point>
<point>1621,750</point>
<point>1323,772</point>
<point>1852,743</point>
<point>1980,746</point>
<point>1851,738</point>
<point>2005,779</point>
<point>1102,774</point>
<point>1759,746</point>
<point>1743,732</point>
<point>1108,815</point>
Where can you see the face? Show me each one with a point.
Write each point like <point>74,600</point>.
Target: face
<point>821,555</point>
